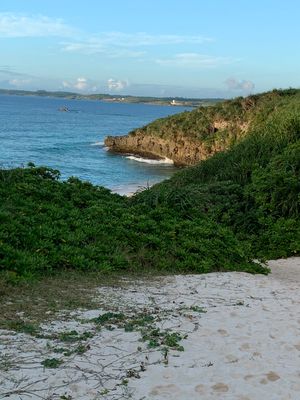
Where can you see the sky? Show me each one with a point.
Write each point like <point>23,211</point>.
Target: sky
<point>174,48</point>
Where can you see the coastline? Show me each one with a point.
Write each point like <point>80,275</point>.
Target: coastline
<point>108,98</point>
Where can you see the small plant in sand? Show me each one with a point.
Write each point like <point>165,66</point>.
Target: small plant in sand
<point>145,323</point>
<point>158,338</point>
<point>109,317</point>
<point>51,363</point>
<point>198,309</point>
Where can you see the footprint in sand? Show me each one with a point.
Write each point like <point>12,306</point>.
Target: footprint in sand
<point>248,377</point>
<point>223,332</point>
<point>272,376</point>
<point>231,358</point>
<point>245,346</point>
<point>269,377</point>
<point>200,389</point>
<point>164,389</point>
<point>257,354</point>
<point>220,387</point>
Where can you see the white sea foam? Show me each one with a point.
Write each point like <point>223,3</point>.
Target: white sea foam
<point>132,188</point>
<point>101,144</point>
<point>128,190</point>
<point>165,161</point>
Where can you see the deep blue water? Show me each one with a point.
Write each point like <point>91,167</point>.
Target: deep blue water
<point>32,129</point>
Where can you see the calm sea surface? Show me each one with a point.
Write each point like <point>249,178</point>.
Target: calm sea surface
<point>33,129</point>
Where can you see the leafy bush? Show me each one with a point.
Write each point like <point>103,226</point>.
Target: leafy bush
<point>47,225</point>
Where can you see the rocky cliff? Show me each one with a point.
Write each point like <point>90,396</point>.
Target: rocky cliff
<point>179,147</point>
<point>190,137</point>
<point>181,150</point>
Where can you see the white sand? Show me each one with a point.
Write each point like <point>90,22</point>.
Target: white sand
<point>245,347</point>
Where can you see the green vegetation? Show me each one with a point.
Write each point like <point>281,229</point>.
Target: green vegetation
<point>219,215</point>
<point>21,326</point>
<point>225,121</point>
<point>73,336</point>
<point>109,317</point>
<point>253,188</point>
<point>145,323</point>
<point>51,363</point>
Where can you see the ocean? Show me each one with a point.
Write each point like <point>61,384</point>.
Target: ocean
<point>32,129</point>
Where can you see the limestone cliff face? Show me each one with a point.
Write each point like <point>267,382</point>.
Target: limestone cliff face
<point>182,151</point>
<point>186,138</point>
<point>192,136</point>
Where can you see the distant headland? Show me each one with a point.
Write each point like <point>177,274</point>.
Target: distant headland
<point>171,101</point>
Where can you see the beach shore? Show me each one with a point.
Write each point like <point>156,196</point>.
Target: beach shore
<point>240,334</point>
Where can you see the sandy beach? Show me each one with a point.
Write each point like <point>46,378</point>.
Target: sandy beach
<point>238,339</point>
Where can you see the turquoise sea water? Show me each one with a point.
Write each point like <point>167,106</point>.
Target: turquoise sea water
<point>33,129</point>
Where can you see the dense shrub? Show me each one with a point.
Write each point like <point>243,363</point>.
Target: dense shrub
<point>253,188</point>
<point>47,225</point>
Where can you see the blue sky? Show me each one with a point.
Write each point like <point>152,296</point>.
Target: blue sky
<point>191,48</point>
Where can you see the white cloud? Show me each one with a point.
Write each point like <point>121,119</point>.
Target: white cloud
<point>81,84</point>
<point>121,40</point>
<point>86,85</point>
<point>114,84</point>
<point>19,82</point>
<point>16,79</point>
<point>92,46</point>
<point>143,39</point>
<point>120,44</point>
<point>242,85</point>
<point>158,90</point>
<point>194,60</point>
<point>21,25</point>
<point>89,47</point>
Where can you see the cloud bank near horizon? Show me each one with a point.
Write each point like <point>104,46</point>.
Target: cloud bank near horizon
<point>117,86</point>
<point>239,85</point>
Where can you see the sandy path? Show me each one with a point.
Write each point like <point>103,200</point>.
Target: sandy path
<point>246,346</point>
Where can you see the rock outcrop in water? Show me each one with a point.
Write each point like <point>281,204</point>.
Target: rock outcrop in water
<point>181,150</point>
<point>179,147</point>
<point>190,137</point>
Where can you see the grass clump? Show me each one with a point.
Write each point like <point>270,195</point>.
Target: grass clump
<point>165,339</point>
<point>51,363</point>
<point>21,327</point>
<point>109,317</point>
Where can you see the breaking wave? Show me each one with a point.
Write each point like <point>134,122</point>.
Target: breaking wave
<point>101,144</point>
<point>164,161</point>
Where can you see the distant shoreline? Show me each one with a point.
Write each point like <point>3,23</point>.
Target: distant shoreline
<point>127,99</point>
